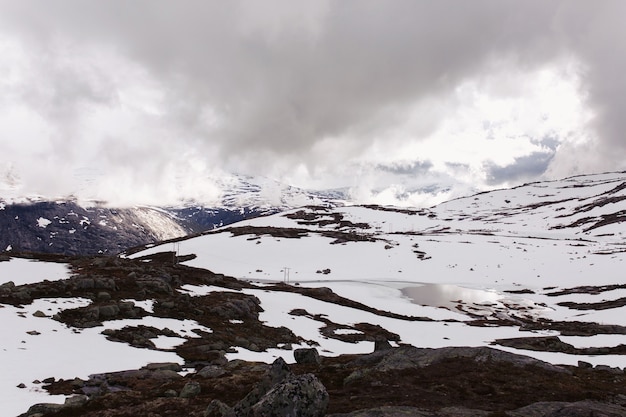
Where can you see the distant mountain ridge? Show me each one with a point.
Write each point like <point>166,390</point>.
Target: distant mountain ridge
<point>71,227</point>
<point>577,204</point>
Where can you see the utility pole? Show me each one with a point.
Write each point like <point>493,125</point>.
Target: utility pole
<point>176,250</point>
<point>286,275</point>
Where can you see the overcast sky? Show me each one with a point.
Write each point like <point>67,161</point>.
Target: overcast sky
<point>147,101</point>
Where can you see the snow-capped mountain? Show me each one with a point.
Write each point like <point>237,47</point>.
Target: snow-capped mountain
<point>266,194</point>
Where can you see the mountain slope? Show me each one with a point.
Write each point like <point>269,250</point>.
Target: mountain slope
<point>68,228</point>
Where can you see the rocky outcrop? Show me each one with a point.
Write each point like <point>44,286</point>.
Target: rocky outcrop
<point>415,412</point>
<point>410,357</point>
<point>44,409</point>
<point>190,390</point>
<point>575,409</point>
<point>281,393</point>
<point>540,409</point>
<point>303,396</point>
<point>554,344</point>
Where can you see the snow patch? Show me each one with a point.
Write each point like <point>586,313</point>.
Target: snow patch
<point>43,223</point>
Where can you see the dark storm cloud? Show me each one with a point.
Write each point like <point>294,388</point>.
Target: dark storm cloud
<point>524,168</point>
<point>414,168</point>
<point>284,83</point>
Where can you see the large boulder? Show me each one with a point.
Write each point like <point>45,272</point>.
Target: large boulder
<point>302,396</point>
<point>307,356</point>
<point>218,409</point>
<point>190,390</point>
<point>278,372</point>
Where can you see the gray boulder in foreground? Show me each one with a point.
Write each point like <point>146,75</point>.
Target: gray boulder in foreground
<point>302,396</point>
<point>281,394</point>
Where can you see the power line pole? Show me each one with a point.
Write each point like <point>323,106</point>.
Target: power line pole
<point>286,275</point>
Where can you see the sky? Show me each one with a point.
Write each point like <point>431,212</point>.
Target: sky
<point>404,102</point>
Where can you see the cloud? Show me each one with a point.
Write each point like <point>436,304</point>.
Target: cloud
<point>413,168</point>
<point>524,168</point>
<point>277,87</point>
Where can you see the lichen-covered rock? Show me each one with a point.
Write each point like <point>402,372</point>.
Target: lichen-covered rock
<point>277,372</point>
<point>302,396</point>
<point>211,371</point>
<point>190,390</point>
<point>218,409</point>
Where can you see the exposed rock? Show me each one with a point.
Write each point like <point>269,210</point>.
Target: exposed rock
<point>43,409</point>
<point>554,344</point>
<point>104,296</point>
<point>205,354</point>
<point>218,409</point>
<point>211,371</point>
<point>169,366</point>
<point>76,401</point>
<point>170,393</point>
<point>576,409</point>
<point>190,390</point>
<point>307,356</point>
<point>164,374</point>
<point>277,372</point>
<point>399,411</point>
<point>606,368</point>
<point>107,311</point>
<point>382,344</point>
<point>303,396</point>
<point>407,357</point>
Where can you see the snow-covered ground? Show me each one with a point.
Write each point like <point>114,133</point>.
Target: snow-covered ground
<point>36,348</point>
<point>476,250</point>
<point>461,256</point>
<point>23,271</point>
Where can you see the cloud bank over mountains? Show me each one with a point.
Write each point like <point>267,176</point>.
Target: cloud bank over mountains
<point>144,101</point>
